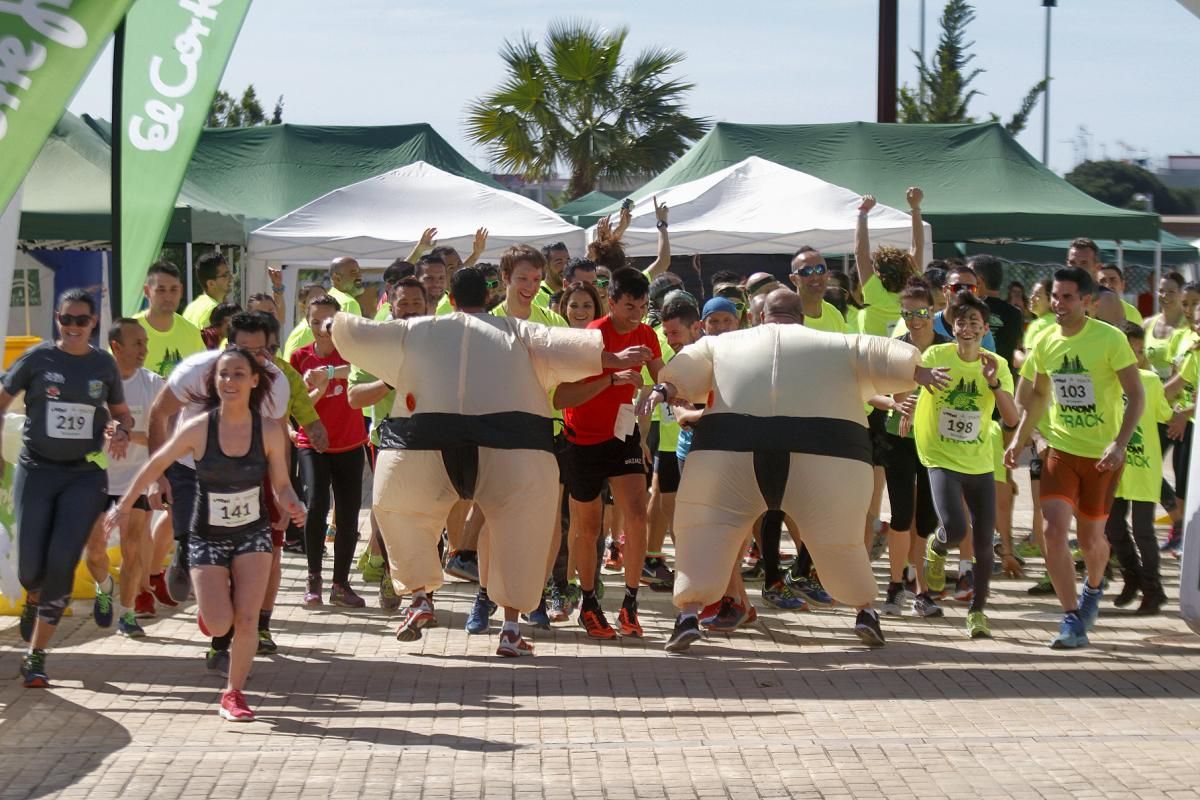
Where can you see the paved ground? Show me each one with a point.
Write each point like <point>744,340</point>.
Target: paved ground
<point>794,707</point>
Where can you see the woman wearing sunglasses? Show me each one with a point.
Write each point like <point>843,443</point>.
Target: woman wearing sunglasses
<point>736,295</point>
<point>909,495</point>
<point>60,486</point>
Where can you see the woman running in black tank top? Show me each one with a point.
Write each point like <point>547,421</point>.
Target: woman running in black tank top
<point>230,534</point>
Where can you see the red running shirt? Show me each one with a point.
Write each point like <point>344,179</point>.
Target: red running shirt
<point>593,422</point>
<point>343,424</point>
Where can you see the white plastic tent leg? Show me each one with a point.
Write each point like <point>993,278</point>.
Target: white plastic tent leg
<point>187,270</point>
<point>1121,258</point>
<point>1157,273</point>
<point>105,305</point>
<point>10,222</point>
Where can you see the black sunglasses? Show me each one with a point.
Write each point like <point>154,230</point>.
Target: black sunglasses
<point>75,320</point>
<point>808,272</point>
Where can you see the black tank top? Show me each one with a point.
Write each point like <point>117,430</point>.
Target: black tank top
<point>229,494</point>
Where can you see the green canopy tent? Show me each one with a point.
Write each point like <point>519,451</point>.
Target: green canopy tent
<point>580,210</point>
<point>978,182</point>
<point>67,197</point>
<point>1174,251</point>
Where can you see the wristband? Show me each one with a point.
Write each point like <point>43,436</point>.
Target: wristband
<point>278,289</point>
<point>994,388</point>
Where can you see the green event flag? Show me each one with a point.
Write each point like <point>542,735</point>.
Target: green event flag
<point>175,54</point>
<point>46,49</point>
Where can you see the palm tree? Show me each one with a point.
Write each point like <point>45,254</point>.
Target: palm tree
<point>575,104</point>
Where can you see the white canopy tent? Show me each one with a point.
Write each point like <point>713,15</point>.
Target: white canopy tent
<point>760,207</point>
<point>379,219</point>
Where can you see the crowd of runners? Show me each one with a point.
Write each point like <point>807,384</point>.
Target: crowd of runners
<point>212,442</point>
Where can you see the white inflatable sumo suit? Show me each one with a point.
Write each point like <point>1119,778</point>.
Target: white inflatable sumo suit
<point>1189,569</point>
<point>783,429</point>
<point>471,421</point>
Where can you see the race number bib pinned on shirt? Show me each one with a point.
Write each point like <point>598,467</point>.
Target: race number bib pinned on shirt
<point>1074,389</point>
<point>233,509</point>
<point>69,420</point>
<point>626,422</point>
<point>961,426</point>
<point>668,413</point>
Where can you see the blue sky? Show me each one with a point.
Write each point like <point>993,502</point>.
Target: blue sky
<point>1125,69</point>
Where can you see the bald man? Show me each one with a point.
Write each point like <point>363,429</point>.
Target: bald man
<point>783,307</point>
<point>767,442</point>
<point>761,283</point>
<point>345,278</point>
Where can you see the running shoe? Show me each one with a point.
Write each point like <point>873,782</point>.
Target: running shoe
<point>977,625</point>
<point>312,592</point>
<point>866,627</point>
<point>1089,605</point>
<point>556,605</point>
<point>266,645</point>
<point>1043,587</point>
<point>687,630</point>
<point>614,559</point>
<point>463,567</point>
<point>481,612</point>
<point>1128,594</point>
<point>893,605</point>
<point>371,567</point>
<point>751,617</point>
<point>28,620</point>
<point>1174,538</point>
<point>573,597</point>
<point>811,590</point>
<point>341,595</point>
<point>627,621</point>
<point>217,661</point>
<point>910,582</point>
<point>158,586</point>
<point>538,618</point>
<point>964,588</point>
<point>177,578</point>
<point>417,616</point>
<point>657,575</point>
<point>33,670</point>
<point>1072,633</point>
<point>102,608</point>
<point>387,593</point>
<point>128,626</point>
<point>935,567</point>
<point>731,616</point>
<point>293,546</point>
<point>1152,603</point>
<point>594,622</point>
<point>754,573</point>
<point>925,606</point>
<point>710,611</point>
<point>234,708</point>
<point>513,645</point>
<point>143,605</point>
<point>780,595</point>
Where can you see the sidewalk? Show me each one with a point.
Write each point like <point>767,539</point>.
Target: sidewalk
<point>792,707</point>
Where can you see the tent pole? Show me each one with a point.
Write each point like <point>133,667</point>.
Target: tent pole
<point>187,269</point>
<point>118,88</point>
<point>1157,271</point>
<point>1121,256</point>
<point>105,309</point>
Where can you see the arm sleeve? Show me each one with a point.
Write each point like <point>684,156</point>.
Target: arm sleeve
<point>884,366</point>
<point>561,355</point>
<point>16,380</point>
<point>1004,375</point>
<point>691,371</point>
<point>300,405</point>
<point>377,347</point>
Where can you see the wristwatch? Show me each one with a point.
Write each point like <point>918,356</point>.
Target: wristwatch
<point>661,388</point>
<point>661,224</point>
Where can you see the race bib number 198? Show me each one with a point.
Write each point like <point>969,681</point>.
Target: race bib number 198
<point>961,426</point>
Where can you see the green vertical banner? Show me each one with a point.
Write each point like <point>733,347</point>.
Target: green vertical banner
<point>175,54</point>
<point>46,50</point>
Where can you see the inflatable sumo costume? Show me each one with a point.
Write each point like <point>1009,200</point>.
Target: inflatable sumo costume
<point>471,421</point>
<point>783,430</point>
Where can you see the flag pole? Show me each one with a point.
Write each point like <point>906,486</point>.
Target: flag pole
<point>115,288</point>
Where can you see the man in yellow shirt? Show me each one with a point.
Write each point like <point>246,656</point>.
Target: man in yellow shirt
<point>215,277</point>
<point>346,284</point>
<point>810,276</point>
<point>170,337</point>
<point>1111,277</point>
<point>1081,367</point>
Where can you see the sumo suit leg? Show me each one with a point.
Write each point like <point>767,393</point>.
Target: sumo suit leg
<point>828,497</point>
<point>412,495</point>
<point>718,500</point>
<point>517,492</point>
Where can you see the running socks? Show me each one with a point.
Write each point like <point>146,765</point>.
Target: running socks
<point>264,620</point>
<point>511,627</point>
<point>108,587</point>
<point>222,642</point>
<point>590,602</point>
<point>630,601</point>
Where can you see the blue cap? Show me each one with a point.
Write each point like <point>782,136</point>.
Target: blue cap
<point>718,304</point>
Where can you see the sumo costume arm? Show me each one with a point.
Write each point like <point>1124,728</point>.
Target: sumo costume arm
<point>561,355</point>
<point>887,366</point>
<point>377,347</point>
<point>687,376</point>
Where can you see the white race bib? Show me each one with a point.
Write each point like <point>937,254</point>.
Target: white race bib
<point>1074,389</point>
<point>233,509</point>
<point>69,420</point>
<point>961,426</point>
<point>668,413</point>
<point>626,422</point>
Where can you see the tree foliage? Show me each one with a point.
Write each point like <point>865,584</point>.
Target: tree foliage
<point>943,92</point>
<point>1116,183</point>
<point>246,112</point>
<point>574,103</point>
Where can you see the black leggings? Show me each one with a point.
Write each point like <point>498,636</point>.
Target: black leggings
<point>950,490</point>
<point>1138,554</point>
<point>55,510</point>
<point>1181,457</point>
<point>342,471</point>
<point>903,469</point>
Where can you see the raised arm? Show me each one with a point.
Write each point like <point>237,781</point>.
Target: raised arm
<point>862,241</point>
<point>477,247</point>
<point>916,251</point>
<point>428,237</point>
<point>663,261</point>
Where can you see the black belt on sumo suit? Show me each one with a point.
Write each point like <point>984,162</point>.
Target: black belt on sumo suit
<point>459,437</point>
<point>772,440</point>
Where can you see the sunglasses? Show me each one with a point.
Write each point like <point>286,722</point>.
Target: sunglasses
<point>602,283</point>
<point>964,287</point>
<point>808,272</point>
<point>74,320</point>
<point>740,306</point>
<point>918,313</point>
<point>491,284</point>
